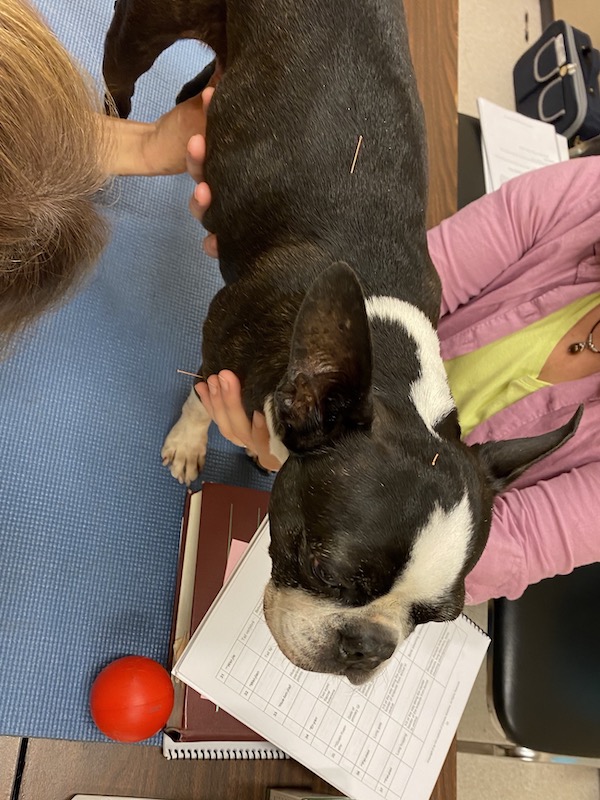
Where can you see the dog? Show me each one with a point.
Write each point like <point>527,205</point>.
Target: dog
<point>316,162</point>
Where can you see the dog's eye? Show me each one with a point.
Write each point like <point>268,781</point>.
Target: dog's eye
<point>321,573</point>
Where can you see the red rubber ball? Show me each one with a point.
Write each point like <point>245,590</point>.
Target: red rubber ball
<point>131,699</point>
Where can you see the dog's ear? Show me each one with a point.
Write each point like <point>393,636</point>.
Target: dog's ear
<point>327,388</point>
<point>505,461</point>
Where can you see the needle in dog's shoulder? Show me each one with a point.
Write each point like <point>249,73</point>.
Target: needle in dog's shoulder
<point>193,374</point>
<point>360,139</point>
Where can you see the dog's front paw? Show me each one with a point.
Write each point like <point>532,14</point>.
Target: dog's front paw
<point>184,449</point>
<point>184,457</point>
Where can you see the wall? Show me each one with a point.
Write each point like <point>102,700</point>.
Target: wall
<point>582,14</point>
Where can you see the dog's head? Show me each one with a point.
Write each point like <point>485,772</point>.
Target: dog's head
<point>380,511</point>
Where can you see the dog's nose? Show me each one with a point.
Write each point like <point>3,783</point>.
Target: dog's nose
<point>365,646</point>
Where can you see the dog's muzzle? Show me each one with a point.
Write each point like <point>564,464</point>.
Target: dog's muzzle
<point>319,636</point>
<point>364,647</point>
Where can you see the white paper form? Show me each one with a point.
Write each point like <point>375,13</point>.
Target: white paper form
<point>512,144</point>
<point>385,739</point>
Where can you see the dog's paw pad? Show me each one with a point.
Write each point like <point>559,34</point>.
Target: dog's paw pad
<point>184,459</point>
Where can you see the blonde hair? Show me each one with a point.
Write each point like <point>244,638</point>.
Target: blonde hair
<point>50,156</point>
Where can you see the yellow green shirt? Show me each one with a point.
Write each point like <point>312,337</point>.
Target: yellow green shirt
<point>493,377</point>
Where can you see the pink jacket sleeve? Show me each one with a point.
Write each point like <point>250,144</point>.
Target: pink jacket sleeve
<point>546,529</point>
<point>537,532</point>
<point>474,247</point>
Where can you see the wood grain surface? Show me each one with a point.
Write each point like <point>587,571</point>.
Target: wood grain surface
<point>9,753</point>
<point>57,770</point>
<point>433,33</point>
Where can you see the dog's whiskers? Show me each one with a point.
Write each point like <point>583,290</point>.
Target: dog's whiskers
<point>360,138</point>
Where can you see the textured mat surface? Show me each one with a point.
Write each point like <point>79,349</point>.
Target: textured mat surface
<point>90,519</point>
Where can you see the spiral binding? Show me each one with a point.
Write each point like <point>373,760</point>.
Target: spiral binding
<point>193,754</point>
<point>475,625</point>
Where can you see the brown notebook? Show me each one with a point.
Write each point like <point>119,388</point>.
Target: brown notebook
<point>217,523</point>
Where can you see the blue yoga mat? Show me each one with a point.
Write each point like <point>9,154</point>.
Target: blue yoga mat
<point>90,518</point>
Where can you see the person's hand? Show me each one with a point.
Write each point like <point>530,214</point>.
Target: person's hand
<point>201,197</point>
<point>167,141</point>
<point>152,148</point>
<point>221,396</point>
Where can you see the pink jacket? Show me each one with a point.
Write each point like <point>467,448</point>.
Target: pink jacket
<point>505,261</point>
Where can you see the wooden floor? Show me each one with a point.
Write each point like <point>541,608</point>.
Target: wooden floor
<point>56,770</point>
<point>433,32</point>
<point>9,751</point>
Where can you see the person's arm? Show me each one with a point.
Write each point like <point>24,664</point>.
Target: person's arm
<point>478,243</point>
<point>152,148</point>
<point>544,530</point>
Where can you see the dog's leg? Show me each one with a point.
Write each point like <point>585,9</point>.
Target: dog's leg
<point>134,41</point>
<point>203,79</point>
<point>184,449</point>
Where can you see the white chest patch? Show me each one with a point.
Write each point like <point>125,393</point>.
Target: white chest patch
<point>430,393</point>
<point>276,446</point>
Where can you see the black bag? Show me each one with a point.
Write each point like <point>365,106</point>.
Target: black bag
<point>556,80</point>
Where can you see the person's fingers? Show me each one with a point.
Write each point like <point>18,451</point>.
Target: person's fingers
<point>210,245</point>
<point>195,209</point>
<point>203,195</point>
<point>219,414</point>
<point>233,424</point>
<point>231,408</point>
<point>260,443</point>
<point>221,395</point>
<point>195,154</point>
<point>201,390</point>
<point>200,201</point>
<point>201,198</point>
<point>207,97</point>
<point>232,388</point>
<point>209,393</point>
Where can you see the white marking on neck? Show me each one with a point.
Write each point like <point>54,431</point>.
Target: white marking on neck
<point>438,555</point>
<point>276,446</point>
<point>430,393</point>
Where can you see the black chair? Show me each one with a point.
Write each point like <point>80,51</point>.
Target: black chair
<point>544,671</point>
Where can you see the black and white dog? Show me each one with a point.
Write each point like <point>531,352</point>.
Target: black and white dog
<point>328,317</point>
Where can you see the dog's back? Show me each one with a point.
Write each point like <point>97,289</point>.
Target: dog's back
<point>330,144</point>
